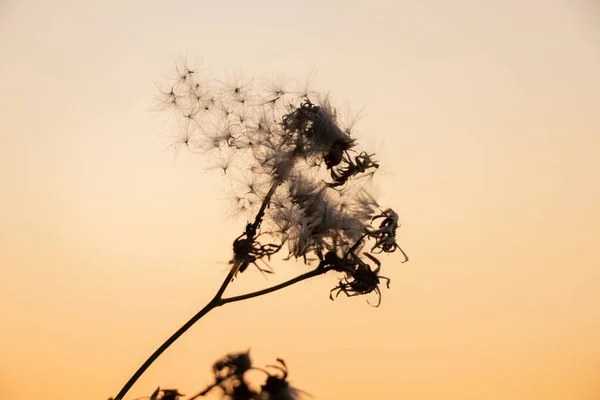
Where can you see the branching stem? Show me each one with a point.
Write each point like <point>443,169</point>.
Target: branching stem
<point>211,305</point>
<point>311,274</point>
<point>217,301</point>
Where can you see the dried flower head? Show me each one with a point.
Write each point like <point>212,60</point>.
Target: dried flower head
<point>298,170</point>
<point>293,165</point>
<point>232,364</point>
<point>232,381</point>
<point>385,235</point>
<point>277,386</point>
<point>360,279</point>
<point>229,376</point>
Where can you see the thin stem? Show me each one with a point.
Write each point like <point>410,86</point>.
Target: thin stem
<point>264,205</point>
<point>215,302</point>
<point>299,278</point>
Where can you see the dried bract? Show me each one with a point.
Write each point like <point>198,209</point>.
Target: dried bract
<point>361,280</point>
<point>385,235</point>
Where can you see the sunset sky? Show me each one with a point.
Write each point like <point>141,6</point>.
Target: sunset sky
<point>485,116</point>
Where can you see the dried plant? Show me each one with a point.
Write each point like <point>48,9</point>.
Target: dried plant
<point>232,381</point>
<point>297,175</point>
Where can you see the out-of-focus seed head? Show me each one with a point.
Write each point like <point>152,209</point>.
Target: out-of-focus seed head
<point>232,364</point>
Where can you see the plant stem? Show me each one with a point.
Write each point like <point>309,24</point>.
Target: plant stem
<point>313,273</point>
<point>217,301</point>
<point>263,207</point>
<point>211,305</point>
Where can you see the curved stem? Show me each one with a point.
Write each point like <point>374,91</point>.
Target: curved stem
<point>314,272</point>
<point>215,302</point>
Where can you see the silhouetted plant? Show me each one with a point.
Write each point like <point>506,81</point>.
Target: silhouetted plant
<point>296,174</point>
<point>232,381</point>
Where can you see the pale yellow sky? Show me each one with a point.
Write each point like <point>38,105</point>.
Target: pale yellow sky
<point>484,114</point>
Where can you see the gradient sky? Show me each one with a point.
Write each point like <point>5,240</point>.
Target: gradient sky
<point>485,115</point>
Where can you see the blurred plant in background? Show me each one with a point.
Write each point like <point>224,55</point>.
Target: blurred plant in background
<point>231,374</point>
<point>295,172</point>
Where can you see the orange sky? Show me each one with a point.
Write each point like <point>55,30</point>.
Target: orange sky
<point>484,115</point>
